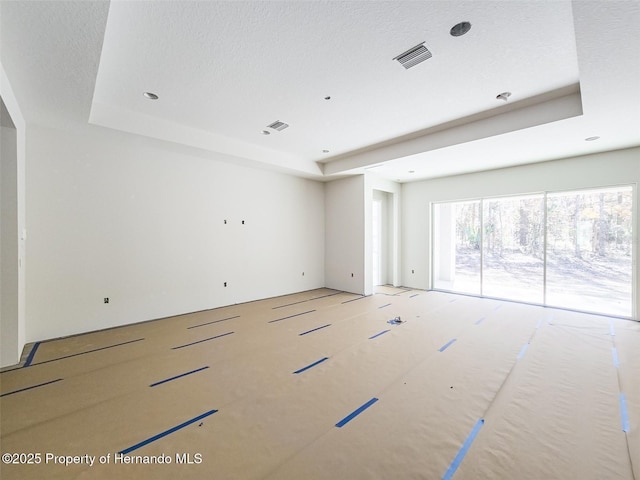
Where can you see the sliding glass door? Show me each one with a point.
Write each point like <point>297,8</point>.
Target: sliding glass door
<point>565,249</point>
<point>513,256</point>
<point>589,250</point>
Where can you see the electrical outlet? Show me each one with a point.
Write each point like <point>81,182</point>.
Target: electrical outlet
<point>106,299</point>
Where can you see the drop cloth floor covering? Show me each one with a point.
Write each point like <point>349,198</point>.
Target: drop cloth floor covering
<point>318,385</point>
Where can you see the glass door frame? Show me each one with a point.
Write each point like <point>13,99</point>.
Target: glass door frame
<point>545,193</point>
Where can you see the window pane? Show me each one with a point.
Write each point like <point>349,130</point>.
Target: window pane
<point>589,250</point>
<point>457,247</point>
<point>513,248</point>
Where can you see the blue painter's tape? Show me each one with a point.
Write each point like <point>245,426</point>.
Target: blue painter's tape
<point>386,305</point>
<point>166,432</point>
<point>611,331</point>
<point>88,351</point>
<point>624,414</point>
<point>314,329</point>
<point>32,386</point>
<point>290,316</point>
<point>355,413</point>
<point>311,365</point>
<point>215,321</point>
<point>523,350</point>
<point>32,354</point>
<point>480,320</point>
<point>539,324</point>
<point>378,334</point>
<point>354,299</point>
<point>446,345</point>
<point>200,341</point>
<point>463,450</point>
<point>178,376</point>
<point>616,361</point>
<point>307,300</point>
<point>498,307</point>
<point>453,300</point>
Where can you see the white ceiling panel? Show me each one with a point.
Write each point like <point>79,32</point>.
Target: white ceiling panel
<point>223,71</point>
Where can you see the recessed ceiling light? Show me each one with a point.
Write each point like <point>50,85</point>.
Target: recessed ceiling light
<point>503,96</point>
<point>460,29</point>
<point>264,132</point>
<point>591,139</point>
<point>150,96</point>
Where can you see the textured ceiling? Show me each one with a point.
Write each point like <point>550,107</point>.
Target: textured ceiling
<point>225,70</point>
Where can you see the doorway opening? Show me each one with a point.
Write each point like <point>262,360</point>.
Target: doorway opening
<point>382,238</point>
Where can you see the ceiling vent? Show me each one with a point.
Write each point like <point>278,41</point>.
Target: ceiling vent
<point>414,56</point>
<point>278,125</point>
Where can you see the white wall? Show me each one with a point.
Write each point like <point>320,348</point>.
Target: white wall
<point>13,327</point>
<point>9,353</point>
<point>602,169</point>
<point>345,234</point>
<point>348,232</point>
<point>141,222</point>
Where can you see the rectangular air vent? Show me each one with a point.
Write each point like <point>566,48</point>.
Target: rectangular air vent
<point>413,56</point>
<point>278,125</point>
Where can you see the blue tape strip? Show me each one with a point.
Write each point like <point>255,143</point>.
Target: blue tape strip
<point>624,414</point>
<point>611,331</point>
<point>355,413</point>
<point>178,376</point>
<point>453,300</point>
<point>463,450</point>
<point>200,341</point>
<point>378,334</point>
<point>88,351</point>
<point>32,386</point>
<point>215,321</point>
<point>539,324</point>
<point>411,296</point>
<point>32,354</point>
<point>523,350</point>
<point>307,300</point>
<point>386,305</point>
<point>498,307</point>
<point>166,432</point>
<point>290,316</point>
<point>480,320</point>
<point>446,345</point>
<point>314,329</point>
<point>311,365</point>
<point>354,299</point>
<point>616,361</point>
